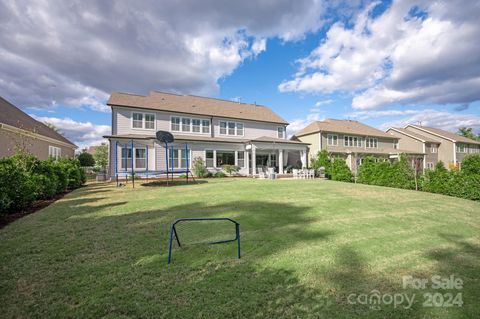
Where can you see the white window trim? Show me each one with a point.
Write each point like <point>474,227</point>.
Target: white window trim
<point>179,123</point>
<point>359,140</point>
<point>367,142</point>
<point>191,125</point>
<point>143,121</point>
<point>333,144</point>
<point>54,151</point>
<point>230,135</point>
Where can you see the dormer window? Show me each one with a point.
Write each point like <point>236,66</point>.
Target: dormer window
<point>281,132</point>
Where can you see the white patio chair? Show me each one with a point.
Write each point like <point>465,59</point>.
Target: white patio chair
<point>311,173</point>
<point>271,173</point>
<point>261,173</point>
<point>295,173</point>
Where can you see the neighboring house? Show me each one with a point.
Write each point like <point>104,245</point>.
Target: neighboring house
<point>18,131</point>
<point>452,148</point>
<point>414,141</point>
<point>352,141</point>
<point>93,149</point>
<point>218,131</point>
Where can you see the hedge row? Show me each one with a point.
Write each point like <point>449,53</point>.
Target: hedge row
<point>23,179</point>
<point>399,174</point>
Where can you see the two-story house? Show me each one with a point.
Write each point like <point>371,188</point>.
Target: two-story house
<point>218,131</point>
<point>353,141</point>
<point>440,145</point>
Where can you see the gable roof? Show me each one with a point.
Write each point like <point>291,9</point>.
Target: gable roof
<point>444,134</point>
<point>190,104</point>
<point>414,135</point>
<point>342,126</point>
<point>13,116</point>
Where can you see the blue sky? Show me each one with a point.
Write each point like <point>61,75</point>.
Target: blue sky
<point>382,63</point>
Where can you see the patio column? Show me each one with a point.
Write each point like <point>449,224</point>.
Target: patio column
<point>280,161</point>
<point>303,158</point>
<point>247,162</point>
<point>254,160</point>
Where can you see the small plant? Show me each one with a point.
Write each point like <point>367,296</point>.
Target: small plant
<point>219,175</point>
<point>199,167</point>
<point>230,169</point>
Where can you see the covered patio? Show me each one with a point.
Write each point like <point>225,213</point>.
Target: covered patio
<point>267,152</point>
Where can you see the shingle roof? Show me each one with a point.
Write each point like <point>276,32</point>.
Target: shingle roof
<point>13,116</point>
<point>191,104</point>
<point>342,126</point>
<point>446,134</point>
<point>277,140</point>
<point>415,135</point>
<point>385,151</point>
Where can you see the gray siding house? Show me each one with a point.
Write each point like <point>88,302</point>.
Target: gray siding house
<point>218,131</point>
<point>353,141</point>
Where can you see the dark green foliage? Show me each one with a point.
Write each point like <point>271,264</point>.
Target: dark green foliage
<point>471,164</point>
<point>377,171</point>
<point>24,179</point>
<point>219,174</point>
<point>199,167</point>
<point>437,180</point>
<point>86,159</point>
<point>339,171</point>
<point>230,169</point>
<point>101,156</point>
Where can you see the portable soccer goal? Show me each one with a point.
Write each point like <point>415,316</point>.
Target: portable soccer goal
<point>190,231</point>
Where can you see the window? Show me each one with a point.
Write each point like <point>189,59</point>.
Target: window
<point>281,132</point>
<point>150,121</point>
<point>433,148</point>
<point>173,157</point>
<point>240,159</point>
<point>475,149</point>
<point>239,129</point>
<point>185,159</point>
<point>395,145</point>
<point>430,165</point>
<point>196,125</point>
<point>352,141</point>
<point>137,120</point>
<point>140,158</point>
<point>460,148</point>
<point>332,140</point>
<point>206,126</point>
<point>185,124</point>
<point>372,142</point>
<point>223,128</point>
<point>231,128</point>
<point>54,151</point>
<point>225,158</point>
<point>209,158</point>
<point>126,160</point>
<point>273,160</point>
<point>175,124</point>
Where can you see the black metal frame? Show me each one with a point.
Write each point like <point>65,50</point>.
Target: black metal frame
<point>173,232</point>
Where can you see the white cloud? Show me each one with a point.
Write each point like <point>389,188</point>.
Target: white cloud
<point>399,56</point>
<point>364,115</point>
<point>76,53</point>
<point>444,120</point>
<point>83,134</point>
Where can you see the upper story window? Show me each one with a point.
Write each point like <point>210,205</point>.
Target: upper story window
<point>186,124</point>
<point>231,128</point>
<point>281,132</point>
<point>433,148</point>
<point>143,121</point>
<point>54,152</point>
<point>475,149</point>
<point>332,140</point>
<point>395,145</point>
<point>460,148</point>
<point>372,142</point>
<point>352,141</point>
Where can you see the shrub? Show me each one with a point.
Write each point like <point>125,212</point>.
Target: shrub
<point>199,167</point>
<point>219,174</point>
<point>75,175</point>
<point>230,169</point>
<point>17,190</point>
<point>437,180</point>
<point>377,171</point>
<point>86,159</point>
<point>471,164</point>
<point>45,180</point>
<point>339,171</point>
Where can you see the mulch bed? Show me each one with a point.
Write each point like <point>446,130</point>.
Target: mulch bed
<point>36,206</point>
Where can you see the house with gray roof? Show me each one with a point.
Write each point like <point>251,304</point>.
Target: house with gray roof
<point>19,131</point>
<point>218,131</point>
<point>353,141</point>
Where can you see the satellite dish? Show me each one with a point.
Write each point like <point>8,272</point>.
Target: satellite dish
<point>165,137</point>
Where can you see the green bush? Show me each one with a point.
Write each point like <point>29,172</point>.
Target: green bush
<point>17,190</point>
<point>230,169</point>
<point>199,167</point>
<point>45,180</point>
<point>339,171</point>
<point>436,180</point>
<point>219,174</point>
<point>86,159</point>
<point>471,164</point>
<point>377,171</point>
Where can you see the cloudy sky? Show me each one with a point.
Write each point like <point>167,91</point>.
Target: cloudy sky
<point>383,63</point>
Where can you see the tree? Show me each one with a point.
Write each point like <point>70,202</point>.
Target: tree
<point>86,159</point>
<point>471,164</point>
<point>468,133</point>
<point>53,127</point>
<point>101,156</point>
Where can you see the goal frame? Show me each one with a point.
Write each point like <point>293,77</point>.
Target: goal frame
<point>173,233</point>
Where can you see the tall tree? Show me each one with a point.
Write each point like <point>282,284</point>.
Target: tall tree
<point>101,156</point>
<point>468,132</point>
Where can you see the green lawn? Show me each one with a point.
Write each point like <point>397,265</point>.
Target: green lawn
<point>101,251</point>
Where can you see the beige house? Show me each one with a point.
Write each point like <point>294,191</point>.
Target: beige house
<point>220,132</point>
<point>20,131</point>
<point>440,145</point>
<point>353,141</point>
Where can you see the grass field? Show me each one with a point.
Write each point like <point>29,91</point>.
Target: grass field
<point>101,251</point>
